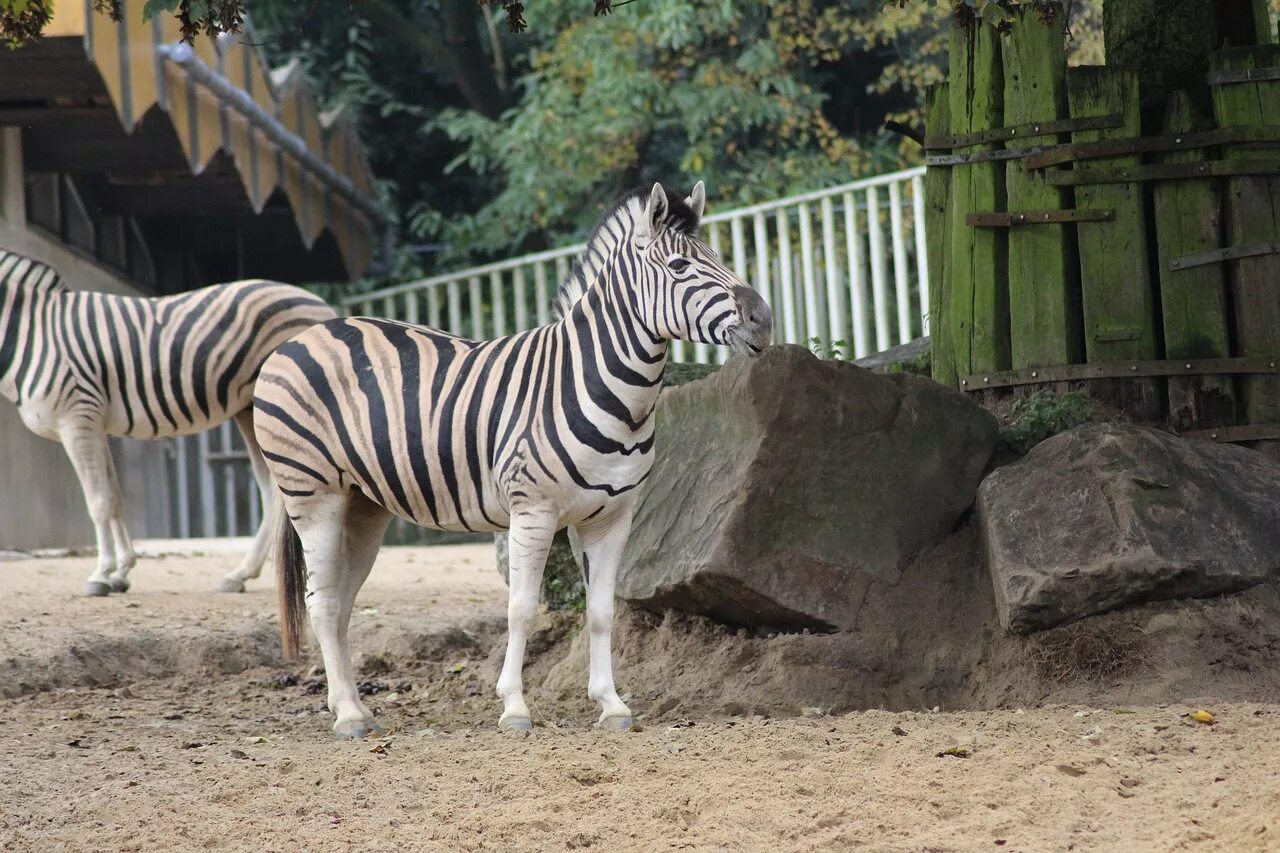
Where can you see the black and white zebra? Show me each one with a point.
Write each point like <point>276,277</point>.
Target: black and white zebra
<point>362,419</point>
<point>84,366</point>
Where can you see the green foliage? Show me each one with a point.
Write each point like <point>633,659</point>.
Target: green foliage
<point>1043,414</point>
<point>823,348</point>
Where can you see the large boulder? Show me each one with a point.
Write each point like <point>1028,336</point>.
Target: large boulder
<point>1105,515</point>
<point>785,486</point>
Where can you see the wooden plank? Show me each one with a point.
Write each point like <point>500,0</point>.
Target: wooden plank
<point>1188,219</point>
<point>937,190</point>
<point>1252,214</point>
<point>1043,322</point>
<point>977,305</point>
<point>1115,279</point>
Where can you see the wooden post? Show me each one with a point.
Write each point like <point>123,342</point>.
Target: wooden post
<point>977,306</point>
<point>1188,219</point>
<point>1041,272</point>
<point>1115,279</point>
<point>937,189</point>
<point>1253,216</point>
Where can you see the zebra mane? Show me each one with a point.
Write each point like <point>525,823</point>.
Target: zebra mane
<point>604,236</point>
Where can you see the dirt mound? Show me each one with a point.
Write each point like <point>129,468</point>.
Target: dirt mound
<point>932,640</point>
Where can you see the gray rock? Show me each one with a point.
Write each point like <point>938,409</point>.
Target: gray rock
<point>1105,516</point>
<point>784,486</point>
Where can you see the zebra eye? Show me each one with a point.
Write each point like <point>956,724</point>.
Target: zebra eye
<point>678,265</point>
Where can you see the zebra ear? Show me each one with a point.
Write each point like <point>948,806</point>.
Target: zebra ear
<point>697,200</point>
<point>654,217</point>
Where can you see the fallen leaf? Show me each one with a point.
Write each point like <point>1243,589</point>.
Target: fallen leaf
<point>258,739</point>
<point>1069,770</point>
<point>812,712</point>
<point>954,752</point>
<point>899,731</point>
<point>76,744</point>
<point>378,749</point>
<point>1202,716</point>
<point>236,753</point>
<point>674,747</point>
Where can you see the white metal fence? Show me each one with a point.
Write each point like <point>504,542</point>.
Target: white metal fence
<point>844,266</point>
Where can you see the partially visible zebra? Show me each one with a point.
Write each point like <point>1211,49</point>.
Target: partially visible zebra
<point>84,366</point>
<point>362,419</point>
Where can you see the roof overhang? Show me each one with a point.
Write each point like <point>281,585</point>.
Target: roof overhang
<point>201,138</point>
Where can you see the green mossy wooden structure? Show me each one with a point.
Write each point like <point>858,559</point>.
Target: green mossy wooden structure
<point>1095,266</point>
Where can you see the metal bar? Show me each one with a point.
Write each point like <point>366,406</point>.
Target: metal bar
<point>1121,369</point>
<point>389,308</point>
<point>577,249</point>
<point>1172,142</point>
<point>229,496</point>
<point>791,323</point>
<point>760,236</point>
<point>411,307</point>
<point>1162,172</point>
<point>995,154</point>
<point>543,307</point>
<point>1231,253</point>
<point>477,332</point>
<point>497,288</point>
<point>1036,217</point>
<point>521,296</point>
<point>455,308</point>
<point>837,315</point>
<point>433,307</point>
<point>243,103</point>
<point>183,488</point>
<point>208,510</point>
<point>857,279</point>
<point>901,288</point>
<point>922,251</point>
<point>1243,75</point>
<point>1249,432</point>
<point>812,304</point>
<point>879,296</point>
<point>1035,128</point>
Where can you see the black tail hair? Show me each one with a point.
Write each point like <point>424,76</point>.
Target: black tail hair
<point>291,566</point>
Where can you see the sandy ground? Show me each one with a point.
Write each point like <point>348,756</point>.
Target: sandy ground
<point>160,720</point>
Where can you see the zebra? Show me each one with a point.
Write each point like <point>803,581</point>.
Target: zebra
<point>363,419</point>
<point>83,366</point>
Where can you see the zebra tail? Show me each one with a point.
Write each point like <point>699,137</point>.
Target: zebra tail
<point>291,582</point>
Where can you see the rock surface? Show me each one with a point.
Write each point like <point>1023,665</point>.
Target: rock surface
<point>785,486</point>
<point>1105,515</point>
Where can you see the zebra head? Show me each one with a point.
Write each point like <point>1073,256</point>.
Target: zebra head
<point>693,295</point>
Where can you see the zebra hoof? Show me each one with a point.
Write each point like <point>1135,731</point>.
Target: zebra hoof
<point>97,589</point>
<point>356,729</point>
<point>615,724</point>
<point>231,585</point>
<point>119,584</point>
<point>515,724</point>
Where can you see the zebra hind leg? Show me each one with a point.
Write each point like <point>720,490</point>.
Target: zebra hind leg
<point>91,457</point>
<point>602,548</point>
<point>528,542</point>
<point>126,556</point>
<point>341,535</point>
<point>251,566</point>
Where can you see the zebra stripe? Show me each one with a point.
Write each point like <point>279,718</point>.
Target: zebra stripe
<point>364,418</point>
<point>82,366</point>
<point>144,368</point>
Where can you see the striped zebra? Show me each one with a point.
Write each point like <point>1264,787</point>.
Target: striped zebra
<point>363,419</point>
<point>85,366</point>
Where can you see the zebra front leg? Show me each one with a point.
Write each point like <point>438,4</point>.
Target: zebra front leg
<point>126,556</point>
<point>602,547</point>
<point>251,566</point>
<point>87,449</point>
<point>528,542</point>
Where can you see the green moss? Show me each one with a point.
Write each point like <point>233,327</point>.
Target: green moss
<point>1043,414</point>
<point>683,374</point>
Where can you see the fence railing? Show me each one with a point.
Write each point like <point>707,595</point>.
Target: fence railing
<point>845,266</point>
